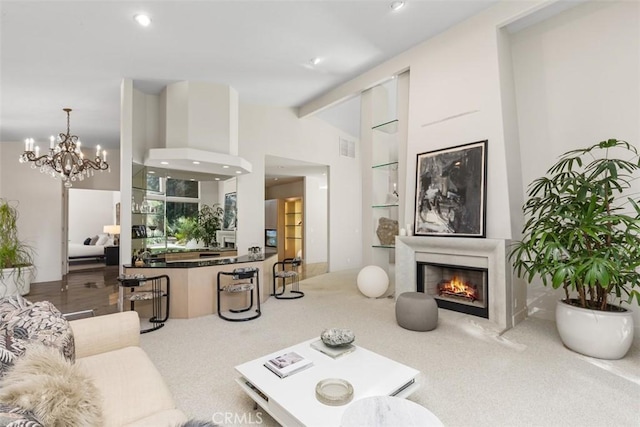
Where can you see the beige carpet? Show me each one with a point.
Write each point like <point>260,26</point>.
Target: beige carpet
<point>471,376</point>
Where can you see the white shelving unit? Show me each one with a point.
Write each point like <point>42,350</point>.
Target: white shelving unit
<point>384,149</point>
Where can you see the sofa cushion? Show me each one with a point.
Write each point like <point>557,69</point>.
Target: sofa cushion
<point>56,391</point>
<point>11,415</point>
<point>130,384</point>
<point>23,322</point>
<point>170,417</point>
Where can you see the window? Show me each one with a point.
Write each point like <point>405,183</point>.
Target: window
<point>182,188</point>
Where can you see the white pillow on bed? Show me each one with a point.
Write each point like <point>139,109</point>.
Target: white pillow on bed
<point>102,240</point>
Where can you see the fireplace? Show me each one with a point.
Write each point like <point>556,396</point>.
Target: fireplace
<point>504,296</point>
<point>454,287</point>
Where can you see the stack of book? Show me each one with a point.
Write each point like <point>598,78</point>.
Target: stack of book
<point>287,364</point>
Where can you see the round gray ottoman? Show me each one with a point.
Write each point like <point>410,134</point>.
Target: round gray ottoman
<point>416,311</point>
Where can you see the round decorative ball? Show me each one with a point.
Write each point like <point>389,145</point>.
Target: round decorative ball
<point>373,281</point>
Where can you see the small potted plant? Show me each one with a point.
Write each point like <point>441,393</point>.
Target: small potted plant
<point>582,234</point>
<point>16,257</point>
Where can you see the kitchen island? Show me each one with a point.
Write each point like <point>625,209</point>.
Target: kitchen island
<point>193,283</point>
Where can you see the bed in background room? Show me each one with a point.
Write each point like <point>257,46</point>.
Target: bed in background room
<point>91,249</point>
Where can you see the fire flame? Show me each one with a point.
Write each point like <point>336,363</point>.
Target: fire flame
<point>458,287</point>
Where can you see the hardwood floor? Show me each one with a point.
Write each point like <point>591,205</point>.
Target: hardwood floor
<point>95,289</point>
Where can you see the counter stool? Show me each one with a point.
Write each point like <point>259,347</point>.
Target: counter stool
<point>244,279</point>
<point>143,288</point>
<point>284,270</point>
<point>416,311</point>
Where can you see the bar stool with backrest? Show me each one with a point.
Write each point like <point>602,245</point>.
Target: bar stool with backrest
<point>287,271</point>
<point>245,279</point>
<point>153,289</point>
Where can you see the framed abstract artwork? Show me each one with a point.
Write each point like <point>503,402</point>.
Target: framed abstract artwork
<point>451,191</point>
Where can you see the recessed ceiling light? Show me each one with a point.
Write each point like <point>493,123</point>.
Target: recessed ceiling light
<point>217,179</point>
<point>225,167</point>
<point>152,171</point>
<point>164,163</point>
<point>192,179</point>
<point>196,162</point>
<point>142,19</point>
<point>396,5</point>
<point>275,179</point>
<point>238,171</point>
<point>315,61</point>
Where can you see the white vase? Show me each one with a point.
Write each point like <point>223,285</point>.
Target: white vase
<point>601,334</point>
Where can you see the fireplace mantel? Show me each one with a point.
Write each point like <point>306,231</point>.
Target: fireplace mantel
<point>506,303</point>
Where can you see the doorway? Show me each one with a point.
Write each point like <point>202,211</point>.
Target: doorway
<point>297,212</point>
<point>88,214</point>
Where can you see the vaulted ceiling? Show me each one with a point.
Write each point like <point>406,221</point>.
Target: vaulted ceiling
<point>57,54</point>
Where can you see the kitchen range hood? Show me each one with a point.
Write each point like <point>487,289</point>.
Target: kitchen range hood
<point>195,160</point>
<point>199,131</point>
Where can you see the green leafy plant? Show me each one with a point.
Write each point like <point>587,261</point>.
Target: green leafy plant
<point>582,230</point>
<point>209,221</point>
<point>184,229</point>
<point>201,228</point>
<point>14,254</point>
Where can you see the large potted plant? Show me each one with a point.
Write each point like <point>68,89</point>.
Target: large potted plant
<point>203,227</point>
<point>16,257</point>
<point>582,234</point>
<point>209,221</point>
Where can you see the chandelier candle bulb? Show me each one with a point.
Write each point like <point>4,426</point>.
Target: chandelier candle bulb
<point>51,142</point>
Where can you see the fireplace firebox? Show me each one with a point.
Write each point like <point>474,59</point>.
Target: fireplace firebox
<point>454,287</point>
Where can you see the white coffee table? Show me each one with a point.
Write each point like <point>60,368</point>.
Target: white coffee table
<point>291,401</point>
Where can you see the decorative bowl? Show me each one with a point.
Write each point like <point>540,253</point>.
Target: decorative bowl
<point>335,337</point>
<point>334,391</point>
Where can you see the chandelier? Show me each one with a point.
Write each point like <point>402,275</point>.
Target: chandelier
<point>65,159</point>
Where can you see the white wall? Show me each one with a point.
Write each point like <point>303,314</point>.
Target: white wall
<point>271,213</point>
<point>577,80</point>
<point>209,194</point>
<point>279,132</point>
<point>89,212</point>
<point>39,200</point>
<point>315,219</point>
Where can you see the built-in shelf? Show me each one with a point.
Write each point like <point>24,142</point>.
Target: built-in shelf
<point>293,227</point>
<point>389,127</point>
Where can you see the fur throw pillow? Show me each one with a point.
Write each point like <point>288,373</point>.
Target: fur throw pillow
<point>56,391</point>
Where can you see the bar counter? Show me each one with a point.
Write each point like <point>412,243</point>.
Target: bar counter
<point>194,282</point>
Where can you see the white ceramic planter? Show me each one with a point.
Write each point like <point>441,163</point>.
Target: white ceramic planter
<point>601,334</point>
<point>12,283</point>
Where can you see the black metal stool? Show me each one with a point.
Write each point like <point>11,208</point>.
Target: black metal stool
<point>245,279</point>
<point>160,287</point>
<point>283,270</point>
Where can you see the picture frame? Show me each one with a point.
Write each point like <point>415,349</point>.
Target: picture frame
<point>229,220</point>
<point>451,191</point>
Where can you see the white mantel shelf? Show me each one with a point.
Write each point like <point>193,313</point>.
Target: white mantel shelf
<point>489,253</point>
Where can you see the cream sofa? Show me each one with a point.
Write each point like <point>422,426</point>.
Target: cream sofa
<point>133,391</point>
